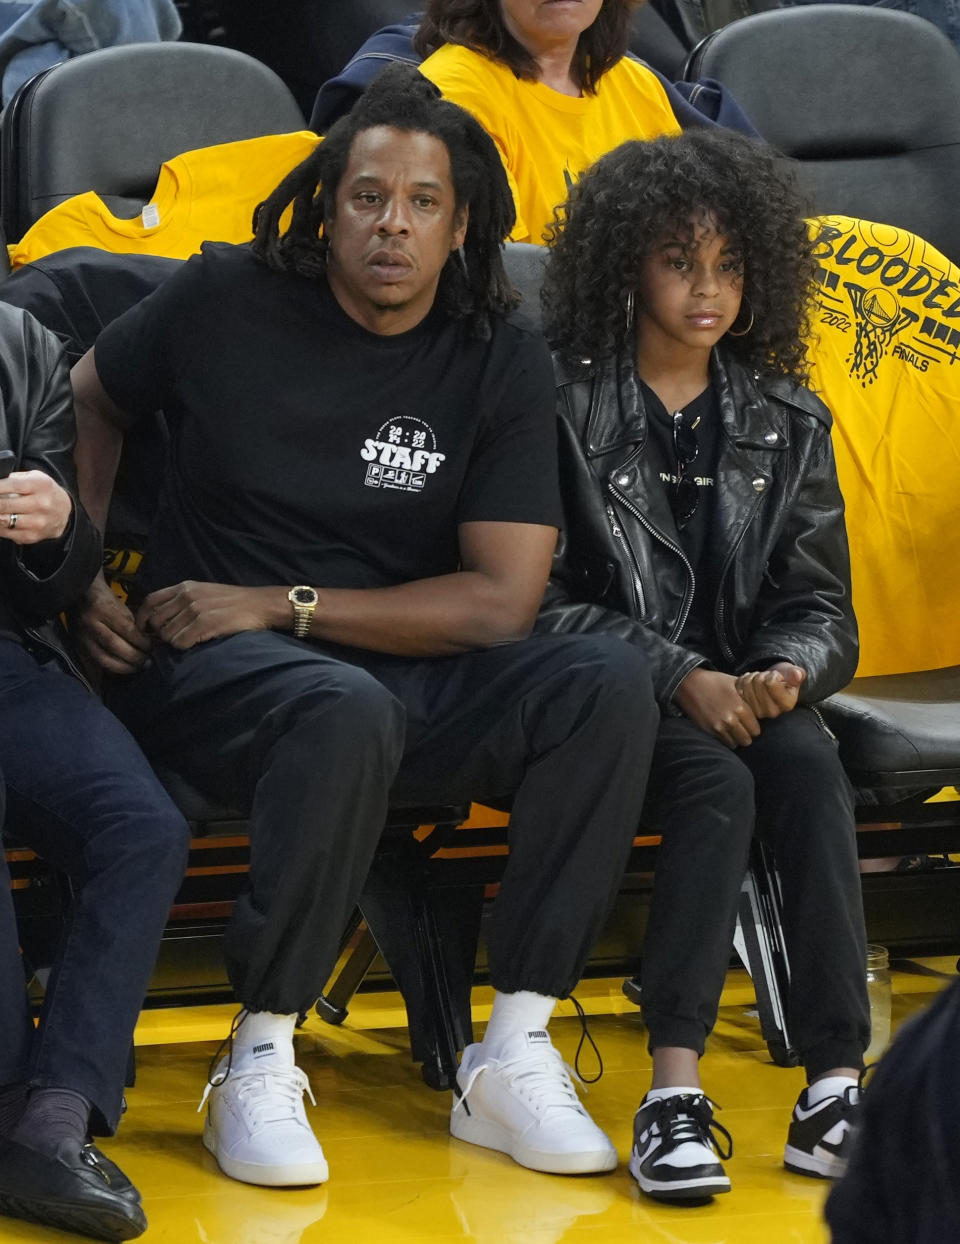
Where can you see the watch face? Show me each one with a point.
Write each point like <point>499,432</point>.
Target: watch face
<point>304,596</point>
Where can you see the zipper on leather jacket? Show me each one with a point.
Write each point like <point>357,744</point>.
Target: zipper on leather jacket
<point>724,645</point>
<point>621,539</point>
<point>674,548</point>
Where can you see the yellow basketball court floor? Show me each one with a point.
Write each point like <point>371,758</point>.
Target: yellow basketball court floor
<point>396,1175</point>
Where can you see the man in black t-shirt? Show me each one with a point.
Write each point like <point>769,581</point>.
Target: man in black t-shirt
<point>354,532</point>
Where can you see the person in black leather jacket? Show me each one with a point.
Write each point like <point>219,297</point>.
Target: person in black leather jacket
<point>76,788</point>
<point>704,522</point>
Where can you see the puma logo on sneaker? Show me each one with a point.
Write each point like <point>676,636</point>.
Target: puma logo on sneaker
<point>267,1047</point>
<point>538,1034</point>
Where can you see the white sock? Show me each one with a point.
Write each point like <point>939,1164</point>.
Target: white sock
<point>516,1012</point>
<point>672,1091</point>
<point>264,1035</point>
<point>830,1086</point>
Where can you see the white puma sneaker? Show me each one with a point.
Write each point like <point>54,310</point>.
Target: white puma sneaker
<point>523,1103</point>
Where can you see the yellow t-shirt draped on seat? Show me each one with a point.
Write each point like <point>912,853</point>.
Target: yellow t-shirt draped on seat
<point>204,195</point>
<point>887,363</point>
<point>546,139</point>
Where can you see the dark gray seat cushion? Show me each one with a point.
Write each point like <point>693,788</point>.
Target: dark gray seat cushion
<point>193,805</point>
<point>201,810</point>
<point>899,723</point>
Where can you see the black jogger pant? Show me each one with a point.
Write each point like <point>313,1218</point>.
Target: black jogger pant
<point>706,801</point>
<point>315,739</point>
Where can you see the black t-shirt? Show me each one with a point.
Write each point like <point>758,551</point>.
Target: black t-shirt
<point>702,416</point>
<point>305,449</point>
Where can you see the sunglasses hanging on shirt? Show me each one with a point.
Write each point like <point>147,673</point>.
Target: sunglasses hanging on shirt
<point>686,492</point>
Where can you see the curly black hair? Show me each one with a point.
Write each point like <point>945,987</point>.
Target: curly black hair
<point>479,25</point>
<point>473,284</point>
<point>642,192</point>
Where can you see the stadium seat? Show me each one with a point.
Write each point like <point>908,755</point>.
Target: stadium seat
<point>652,39</point>
<point>865,98</point>
<point>307,43</point>
<point>108,120</point>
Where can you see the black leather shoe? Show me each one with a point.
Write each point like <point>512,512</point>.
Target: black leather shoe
<point>79,1190</point>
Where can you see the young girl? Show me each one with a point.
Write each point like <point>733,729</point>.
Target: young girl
<point>705,524</point>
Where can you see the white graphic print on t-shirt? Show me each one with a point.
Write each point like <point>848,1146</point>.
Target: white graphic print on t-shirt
<point>401,455</point>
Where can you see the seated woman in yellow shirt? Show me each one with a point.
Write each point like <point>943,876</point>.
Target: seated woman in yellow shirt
<point>550,82</point>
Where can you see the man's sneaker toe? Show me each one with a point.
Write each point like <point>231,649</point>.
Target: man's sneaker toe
<point>257,1128</point>
<point>271,1161</point>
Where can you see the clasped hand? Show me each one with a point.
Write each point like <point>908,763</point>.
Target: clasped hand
<point>41,508</point>
<point>731,708</point>
<point>183,615</point>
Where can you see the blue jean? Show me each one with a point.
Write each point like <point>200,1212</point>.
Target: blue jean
<point>35,34</point>
<point>78,790</point>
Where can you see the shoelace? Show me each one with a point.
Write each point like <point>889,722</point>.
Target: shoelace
<point>585,1036</point>
<point>259,1090</point>
<point>686,1118</point>
<point>228,1043</point>
<point>541,1076</point>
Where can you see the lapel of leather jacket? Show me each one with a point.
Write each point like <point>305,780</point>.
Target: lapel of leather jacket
<point>754,435</point>
<point>617,431</point>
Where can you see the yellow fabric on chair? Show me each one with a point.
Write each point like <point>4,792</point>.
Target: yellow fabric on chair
<point>887,363</point>
<point>203,195</point>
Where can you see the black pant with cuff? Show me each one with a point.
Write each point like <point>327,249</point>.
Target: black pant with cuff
<point>315,740</point>
<point>707,801</point>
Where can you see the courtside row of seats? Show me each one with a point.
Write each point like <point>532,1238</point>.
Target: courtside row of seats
<point>867,146</point>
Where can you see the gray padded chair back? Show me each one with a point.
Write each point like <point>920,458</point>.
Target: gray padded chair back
<point>309,41</point>
<point>868,99</point>
<point>524,265</point>
<point>654,42</point>
<point>108,120</point>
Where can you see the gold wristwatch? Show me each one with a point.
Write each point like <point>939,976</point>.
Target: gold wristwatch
<point>304,600</point>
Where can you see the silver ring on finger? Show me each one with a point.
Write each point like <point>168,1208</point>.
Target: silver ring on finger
<point>12,521</point>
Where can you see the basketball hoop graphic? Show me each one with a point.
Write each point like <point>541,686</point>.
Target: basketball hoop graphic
<point>878,317</point>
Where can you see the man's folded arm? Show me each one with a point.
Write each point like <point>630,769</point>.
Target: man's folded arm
<point>492,599</point>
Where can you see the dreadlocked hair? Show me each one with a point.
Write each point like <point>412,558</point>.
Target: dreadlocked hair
<point>473,283</point>
<point>641,193</point>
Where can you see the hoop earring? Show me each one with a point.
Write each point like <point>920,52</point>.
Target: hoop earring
<point>743,332</point>
<point>629,310</point>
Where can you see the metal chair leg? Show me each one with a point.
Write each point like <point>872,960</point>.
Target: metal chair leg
<point>760,945</point>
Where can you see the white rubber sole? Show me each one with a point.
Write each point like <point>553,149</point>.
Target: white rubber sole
<point>802,1163</point>
<point>492,1136</point>
<point>670,1190</point>
<point>288,1175</point>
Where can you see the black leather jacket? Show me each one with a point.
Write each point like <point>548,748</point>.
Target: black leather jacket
<point>784,592</point>
<point>37,423</point>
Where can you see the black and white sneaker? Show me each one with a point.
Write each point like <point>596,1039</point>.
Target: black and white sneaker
<point>676,1148</point>
<point>819,1138</point>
